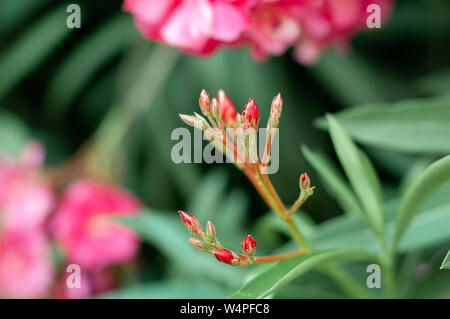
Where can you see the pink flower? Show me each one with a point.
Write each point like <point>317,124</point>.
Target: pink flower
<point>25,200</point>
<point>332,23</point>
<point>268,27</point>
<point>25,266</point>
<point>274,27</point>
<point>195,26</point>
<point>84,224</point>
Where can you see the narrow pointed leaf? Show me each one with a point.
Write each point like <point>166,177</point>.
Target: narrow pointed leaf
<point>413,126</point>
<point>434,176</point>
<point>360,172</point>
<point>31,48</point>
<point>280,274</point>
<point>446,261</point>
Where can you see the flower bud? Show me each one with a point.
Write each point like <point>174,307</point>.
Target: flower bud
<point>191,222</point>
<point>197,243</point>
<point>305,182</point>
<point>226,256</point>
<point>204,103</point>
<point>188,119</point>
<point>210,230</point>
<point>249,245</point>
<point>251,113</point>
<point>227,109</point>
<point>215,109</point>
<point>275,110</point>
<point>200,122</point>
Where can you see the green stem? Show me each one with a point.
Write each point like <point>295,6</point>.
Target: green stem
<point>352,287</point>
<point>387,263</point>
<point>265,186</point>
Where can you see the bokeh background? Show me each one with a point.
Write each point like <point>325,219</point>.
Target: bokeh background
<point>60,86</point>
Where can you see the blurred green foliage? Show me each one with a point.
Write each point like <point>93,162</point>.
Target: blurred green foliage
<point>57,85</point>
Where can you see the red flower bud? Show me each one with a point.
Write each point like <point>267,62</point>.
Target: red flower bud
<point>248,245</point>
<point>251,113</point>
<point>204,103</point>
<point>305,182</point>
<point>227,108</point>
<point>191,222</point>
<point>226,256</point>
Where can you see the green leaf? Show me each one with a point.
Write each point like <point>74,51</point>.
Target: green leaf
<point>283,272</point>
<point>24,55</point>
<point>87,58</point>
<point>360,172</point>
<point>14,12</point>
<point>446,261</point>
<point>165,290</point>
<point>415,126</point>
<point>434,176</point>
<point>428,229</point>
<point>333,180</point>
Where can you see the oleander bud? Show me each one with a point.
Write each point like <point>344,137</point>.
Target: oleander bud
<point>191,223</point>
<point>227,109</point>
<point>210,230</point>
<point>204,103</point>
<point>200,122</point>
<point>197,243</point>
<point>188,119</point>
<point>249,245</point>
<point>305,182</point>
<point>251,113</point>
<point>275,110</point>
<point>215,109</point>
<point>226,256</point>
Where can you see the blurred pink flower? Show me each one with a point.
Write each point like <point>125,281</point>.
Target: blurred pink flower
<point>25,200</point>
<point>269,27</point>
<point>332,23</point>
<point>25,266</point>
<point>196,26</point>
<point>85,228</point>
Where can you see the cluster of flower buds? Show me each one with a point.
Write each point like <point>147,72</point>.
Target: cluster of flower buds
<point>233,133</point>
<point>207,242</point>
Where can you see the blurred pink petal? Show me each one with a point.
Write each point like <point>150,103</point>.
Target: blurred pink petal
<point>85,228</point>
<point>25,265</point>
<point>229,23</point>
<point>25,200</point>
<point>189,26</point>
